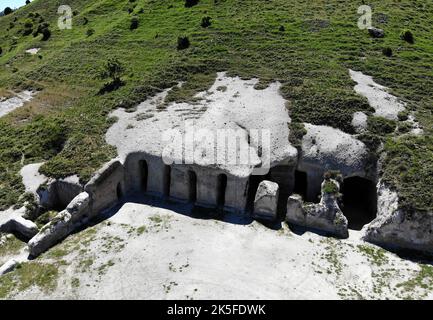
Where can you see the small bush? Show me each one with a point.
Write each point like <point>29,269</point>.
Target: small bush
<point>134,23</point>
<point>90,32</point>
<point>387,52</point>
<point>190,3</point>
<point>407,36</point>
<point>330,187</point>
<point>46,34</point>
<point>7,11</point>
<point>27,31</point>
<point>183,43</point>
<point>28,24</point>
<point>282,29</point>
<point>112,70</point>
<point>1,50</point>
<point>27,1</point>
<point>404,127</point>
<point>403,115</point>
<point>206,22</point>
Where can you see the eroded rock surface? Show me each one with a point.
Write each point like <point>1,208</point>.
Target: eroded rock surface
<point>399,228</point>
<point>266,201</point>
<point>326,215</point>
<point>9,105</point>
<point>62,225</point>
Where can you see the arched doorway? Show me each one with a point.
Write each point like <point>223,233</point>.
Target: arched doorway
<point>221,190</point>
<point>192,186</point>
<point>359,201</point>
<point>144,173</point>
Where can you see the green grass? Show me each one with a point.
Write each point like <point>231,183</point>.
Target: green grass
<point>376,256</point>
<point>29,274</point>
<point>11,246</point>
<point>310,57</point>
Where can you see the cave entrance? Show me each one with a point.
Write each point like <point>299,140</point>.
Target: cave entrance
<point>301,184</point>
<point>144,173</point>
<point>253,185</point>
<point>166,180</point>
<point>192,185</point>
<point>359,201</point>
<point>221,190</point>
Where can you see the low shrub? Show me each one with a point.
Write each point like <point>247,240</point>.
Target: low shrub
<point>381,126</point>
<point>134,23</point>
<point>183,43</point>
<point>407,36</point>
<point>190,3</point>
<point>206,22</point>
<point>387,52</point>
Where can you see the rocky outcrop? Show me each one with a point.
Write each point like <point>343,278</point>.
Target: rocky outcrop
<point>9,266</point>
<point>106,186</point>
<point>325,148</point>
<point>325,216</point>
<point>266,201</point>
<point>62,225</point>
<point>397,228</point>
<point>58,193</point>
<point>12,221</point>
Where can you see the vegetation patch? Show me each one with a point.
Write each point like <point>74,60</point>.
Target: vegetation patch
<point>29,274</point>
<point>376,256</point>
<point>10,246</point>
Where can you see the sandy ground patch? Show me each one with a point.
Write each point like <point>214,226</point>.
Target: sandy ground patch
<point>146,252</point>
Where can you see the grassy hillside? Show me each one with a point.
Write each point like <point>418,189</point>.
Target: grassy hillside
<point>307,45</point>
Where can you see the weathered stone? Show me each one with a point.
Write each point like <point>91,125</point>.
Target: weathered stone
<point>9,266</point>
<point>106,186</point>
<point>325,216</point>
<point>62,225</point>
<point>266,201</point>
<point>395,227</point>
<point>376,33</point>
<point>17,224</point>
<point>325,148</point>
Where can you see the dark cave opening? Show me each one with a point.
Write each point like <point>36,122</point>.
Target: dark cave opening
<point>221,189</point>
<point>301,184</point>
<point>167,180</point>
<point>144,174</point>
<point>253,184</point>
<point>192,185</point>
<point>359,201</point>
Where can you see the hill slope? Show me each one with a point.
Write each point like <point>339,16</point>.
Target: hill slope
<point>308,46</point>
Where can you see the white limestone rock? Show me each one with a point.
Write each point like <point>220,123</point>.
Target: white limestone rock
<point>12,221</point>
<point>266,201</point>
<point>359,122</point>
<point>385,104</point>
<point>397,228</point>
<point>61,226</point>
<point>15,102</point>
<point>325,216</point>
<point>9,266</point>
